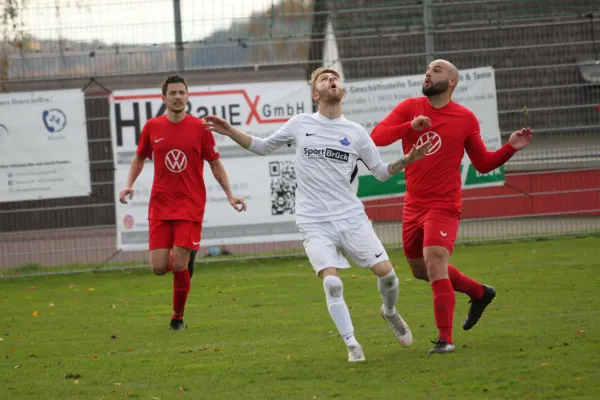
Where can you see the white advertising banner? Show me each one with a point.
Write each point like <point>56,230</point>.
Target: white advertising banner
<point>267,183</point>
<point>369,101</point>
<point>43,145</point>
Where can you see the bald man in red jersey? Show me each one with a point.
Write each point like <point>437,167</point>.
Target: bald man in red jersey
<point>433,200</point>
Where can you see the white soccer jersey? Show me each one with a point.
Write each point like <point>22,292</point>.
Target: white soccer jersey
<point>327,152</point>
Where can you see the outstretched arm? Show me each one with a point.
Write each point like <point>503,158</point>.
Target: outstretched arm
<point>252,143</point>
<point>372,159</point>
<point>485,161</point>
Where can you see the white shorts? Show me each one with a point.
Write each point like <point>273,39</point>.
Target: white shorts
<point>324,242</point>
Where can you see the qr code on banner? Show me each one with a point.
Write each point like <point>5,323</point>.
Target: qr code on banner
<point>283,187</point>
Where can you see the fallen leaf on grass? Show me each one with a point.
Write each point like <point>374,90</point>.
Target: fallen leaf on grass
<point>42,371</point>
<point>51,305</point>
<point>35,314</point>
<point>17,366</point>
<point>181,388</point>
<point>580,332</point>
<point>353,276</point>
<point>234,298</point>
<point>129,393</point>
<point>288,357</point>
<point>76,382</point>
<point>11,350</point>
<point>113,306</point>
<point>117,383</point>
<point>91,289</point>
<point>520,378</point>
<point>94,356</point>
<point>71,286</point>
<point>545,364</point>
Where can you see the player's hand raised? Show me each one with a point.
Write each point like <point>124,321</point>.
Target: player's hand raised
<point>521,138</point>
<point>418,152</point>
<point>217,124</point>
<point>238,203</point>
<point>420,123</point>
<point>128,191</point>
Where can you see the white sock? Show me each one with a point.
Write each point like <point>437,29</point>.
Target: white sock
<point>388,288</point>
<point>334,294</point>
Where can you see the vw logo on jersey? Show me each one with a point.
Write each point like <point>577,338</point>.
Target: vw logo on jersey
<point>436,142</point>
<point>345,141</point>
<point>176,161</point>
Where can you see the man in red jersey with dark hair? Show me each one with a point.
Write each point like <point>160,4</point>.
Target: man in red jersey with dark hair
<point>433,199</point>
<point>179,144</point>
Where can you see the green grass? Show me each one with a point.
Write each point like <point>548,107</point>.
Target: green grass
<point>260,330</point>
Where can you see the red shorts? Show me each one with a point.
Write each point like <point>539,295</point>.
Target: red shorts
<point>164,234</point>
<point>428,227</point>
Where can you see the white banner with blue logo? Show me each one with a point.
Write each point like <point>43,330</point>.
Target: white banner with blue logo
<point>43,145</point>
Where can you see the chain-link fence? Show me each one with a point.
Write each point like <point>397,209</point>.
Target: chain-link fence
<point>543,53</point>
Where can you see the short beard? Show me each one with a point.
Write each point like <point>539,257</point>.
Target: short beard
<point>173,110</point>
<point>435,89</point>
<point>334,99</point>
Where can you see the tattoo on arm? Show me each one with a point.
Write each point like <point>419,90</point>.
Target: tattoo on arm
<point>217,173</point>
<point>397,166</point>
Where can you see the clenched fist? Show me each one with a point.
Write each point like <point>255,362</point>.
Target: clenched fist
<point>420,123</point>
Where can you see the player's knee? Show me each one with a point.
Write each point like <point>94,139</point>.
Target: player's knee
<point>159,268</point>
<point>179,266</point>
<point>333,286</point>
<point>389,281</point>
<point>420,273</point>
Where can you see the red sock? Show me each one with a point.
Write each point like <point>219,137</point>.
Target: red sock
<point>181,288</point>
<point>463,284</point>
<point>170,262</point>
<point>444,301</point>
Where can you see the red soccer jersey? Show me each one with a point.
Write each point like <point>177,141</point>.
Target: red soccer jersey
<point>178,150</point>
<point>435,180</point>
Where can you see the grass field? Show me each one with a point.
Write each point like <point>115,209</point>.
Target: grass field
<point>260,330</point>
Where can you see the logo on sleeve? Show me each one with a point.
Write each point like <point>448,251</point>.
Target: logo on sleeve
<point>176,161</point>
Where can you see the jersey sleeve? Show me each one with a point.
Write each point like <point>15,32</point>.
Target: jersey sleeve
<point>394,126</point>
<point>483,160</point>
<point>144,147</point>
<point>370,156</point>
<point>209,145</point>
<point>284,135</point>
<point>368,152</point>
